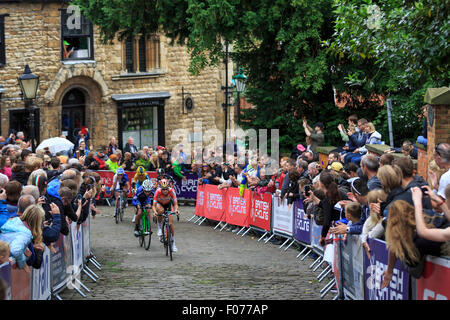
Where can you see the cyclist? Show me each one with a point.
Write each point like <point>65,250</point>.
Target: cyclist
<point>163,175</point>
<point>137,182</point>
<point>120,182</point>
<point>163,199</point>
<point>142,199</point>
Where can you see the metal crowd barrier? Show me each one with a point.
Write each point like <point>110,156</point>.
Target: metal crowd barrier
<point>59,270</point>
<point>344,263</point>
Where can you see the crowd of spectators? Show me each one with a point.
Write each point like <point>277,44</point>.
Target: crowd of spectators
<point>356,193</point>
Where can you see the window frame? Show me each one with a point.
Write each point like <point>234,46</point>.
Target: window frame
<point>89,35</point>
<point>2,40</point>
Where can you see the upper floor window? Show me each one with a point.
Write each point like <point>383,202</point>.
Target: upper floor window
<point>77,40</point>
<point>142,54</point>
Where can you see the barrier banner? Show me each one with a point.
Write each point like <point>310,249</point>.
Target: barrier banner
<point>434,283</point>
<point>283,217</point>
<point>260,212</point>
<point>374,268</point>
<point>77,245</point>
<point>21,283</point>
<point>107,177</point>
<point>86,225</point>
<point>41,281</point>
<point>5,274</point>
<point>352,267</point>
<point>58,265</point>
<point>237,208</point>
<point>316,233</point>
<point>213,207</point>
<point>200,202</point>
<point>186,189</point>
<point>301,227</point>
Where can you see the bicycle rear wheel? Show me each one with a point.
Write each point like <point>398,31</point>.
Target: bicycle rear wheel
<point>147,233</point>
<point>169,241</point>
<point>165,238</point>
<point>122,208</point>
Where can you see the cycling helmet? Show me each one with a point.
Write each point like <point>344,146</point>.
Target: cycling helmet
<point>120,171</point>
<point>140,170</point>
<point>160,172</point>
<point>164,184</point>
<point>147,185</point>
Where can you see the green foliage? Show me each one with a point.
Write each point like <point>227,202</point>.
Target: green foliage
<point>295,51</point>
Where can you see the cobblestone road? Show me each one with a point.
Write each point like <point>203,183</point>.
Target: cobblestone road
<point>209,264</point>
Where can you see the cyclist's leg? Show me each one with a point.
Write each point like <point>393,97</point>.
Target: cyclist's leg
<point>159,210</point>
<point>116,198</point>
<point>138,220</point>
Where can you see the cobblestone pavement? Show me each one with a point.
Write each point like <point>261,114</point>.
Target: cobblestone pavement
<point>209,264</point>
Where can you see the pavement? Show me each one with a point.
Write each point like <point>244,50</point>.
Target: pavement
<point>210,264</point>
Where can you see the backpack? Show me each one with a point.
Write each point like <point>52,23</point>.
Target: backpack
<point>318,215</point>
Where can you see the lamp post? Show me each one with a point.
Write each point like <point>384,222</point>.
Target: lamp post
<point>29,84</point>
<point>240,80</point>
<point>226,88</point>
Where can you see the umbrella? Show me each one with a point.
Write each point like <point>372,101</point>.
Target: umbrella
<point>55,145</point>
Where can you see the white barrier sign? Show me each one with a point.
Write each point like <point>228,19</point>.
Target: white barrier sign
<point>41,280</point>
<point>283,217</point>
<point>77,245</point>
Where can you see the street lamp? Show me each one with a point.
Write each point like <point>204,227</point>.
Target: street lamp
<point>240,79</point>
<point>29,84</point>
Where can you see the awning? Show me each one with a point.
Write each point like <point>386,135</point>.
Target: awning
<point>141,99</point>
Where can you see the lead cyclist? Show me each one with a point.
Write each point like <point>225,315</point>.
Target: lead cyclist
<point>164,197</point>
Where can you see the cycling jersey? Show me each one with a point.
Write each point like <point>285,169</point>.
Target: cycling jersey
<point>164,200</point>
<point>122,182</point>
<point>141,199</point>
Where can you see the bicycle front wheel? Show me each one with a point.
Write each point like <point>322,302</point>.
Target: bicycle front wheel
<point>169,241</point>
<point>147,233</point>
<point>122,208</point>
<point>116,216</point>
<point>166,238</point>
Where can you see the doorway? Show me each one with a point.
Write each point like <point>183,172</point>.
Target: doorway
<point>73,115</point>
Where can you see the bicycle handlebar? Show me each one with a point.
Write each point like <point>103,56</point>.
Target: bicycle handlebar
<point>167,213</point>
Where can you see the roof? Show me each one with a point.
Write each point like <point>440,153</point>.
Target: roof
<point>438,95</point>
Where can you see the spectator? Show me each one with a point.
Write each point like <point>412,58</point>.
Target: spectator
<point>373,227</point>
<point>54,169</point>
<point>386,159</point>
<point>293,190</point>
<point>5,166</point>
<point>112,163</point>
<point>442,159</point>
<point>369,167</point>
<point>372,137</point>
<point>127,163</point>
<point>351,170</point>
<point>3,180</point>
<point>391,180</point>
<point>404,243</point>
<point>313,170</point>
<point>141,160</point>
<point>90,163</point>
<point>31,191</point>
<point>101,157</point>
<point>112,146</point>
<point>82,136</point>
<point>333,156</point>
<point>32,218</point>
<point>352,215</point>
<point>154,163</point>
<point>332,197</point>
<point>16,234</point>
<point>34,174</point>
<point>358,139</point>
<point>131,148</point>
<point>13,189</point>
<point>4,252</point>
<point>407,148</point>
<point>434,234</point>
<point>317,137</point>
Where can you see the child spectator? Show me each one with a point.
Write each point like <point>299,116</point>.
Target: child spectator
<point>4,252</point>
<point>373,227</point>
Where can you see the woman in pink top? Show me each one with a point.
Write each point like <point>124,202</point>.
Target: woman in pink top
<point>5,166</point>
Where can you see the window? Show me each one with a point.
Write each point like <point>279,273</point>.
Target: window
<point>2,41</point>
<point>142,54</point>
<point>77,41</point>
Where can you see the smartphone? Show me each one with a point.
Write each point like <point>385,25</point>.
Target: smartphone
<point>307,190</point>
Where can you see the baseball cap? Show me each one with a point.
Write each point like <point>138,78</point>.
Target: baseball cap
<point>301,148</point>
<point>336,166</point>
<point>40,182</point>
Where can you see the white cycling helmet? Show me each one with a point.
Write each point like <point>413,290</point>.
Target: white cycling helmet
<point>147,185</point>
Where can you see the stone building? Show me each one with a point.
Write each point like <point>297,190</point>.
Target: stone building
<point>132,88</point>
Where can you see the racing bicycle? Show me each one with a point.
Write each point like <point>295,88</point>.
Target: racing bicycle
<point>145,230</point>
<point>121,207</point>
<point>166,237</point>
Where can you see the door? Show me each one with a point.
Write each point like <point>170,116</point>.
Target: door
<point>72,114</point>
